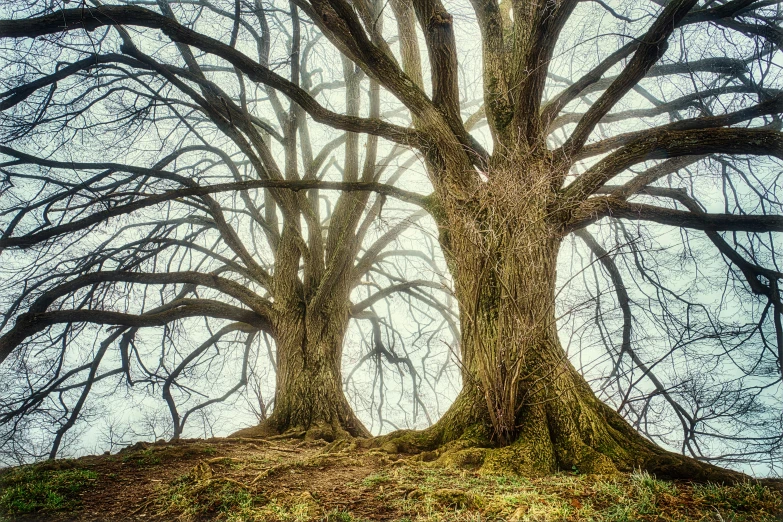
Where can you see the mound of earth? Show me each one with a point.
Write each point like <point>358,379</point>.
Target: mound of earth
<point>294,480</point>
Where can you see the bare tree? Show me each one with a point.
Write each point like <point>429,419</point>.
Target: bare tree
<point>587,122</point>
<point>158,228</point>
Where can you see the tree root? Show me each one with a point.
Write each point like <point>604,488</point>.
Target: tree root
<point>611,446</point>
<point>268,430</point>
<point>324,457</point>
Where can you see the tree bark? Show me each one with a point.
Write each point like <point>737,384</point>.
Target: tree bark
<point>524,408</point>
<point>309,398</point>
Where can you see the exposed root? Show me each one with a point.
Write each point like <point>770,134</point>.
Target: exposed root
<point>269,430</point>
<point>200,484</point>
<point>339,446</point>
<point>290,434</point>
<point>599,441</point>
<point>321,459</point>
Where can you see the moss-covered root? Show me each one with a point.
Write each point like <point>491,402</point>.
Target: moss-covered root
<point>587,438</point>
<point>317,431</point>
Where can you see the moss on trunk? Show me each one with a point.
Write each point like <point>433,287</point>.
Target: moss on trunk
<point>523,408</point>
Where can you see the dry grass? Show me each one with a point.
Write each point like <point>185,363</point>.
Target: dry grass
<point>243,480</point>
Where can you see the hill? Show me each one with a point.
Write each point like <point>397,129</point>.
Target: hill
<point>295,480</point>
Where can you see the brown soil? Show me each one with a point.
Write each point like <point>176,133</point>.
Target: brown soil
<point>293,479</point>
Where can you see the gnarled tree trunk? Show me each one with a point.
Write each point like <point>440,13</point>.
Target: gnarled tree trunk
<point>309,395</point>
<point>309,381</point>
<point>309,331</point>
<point>524,408</point>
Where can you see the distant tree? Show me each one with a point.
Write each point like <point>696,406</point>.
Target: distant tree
<point>149,191</point>
<point>627,114</point>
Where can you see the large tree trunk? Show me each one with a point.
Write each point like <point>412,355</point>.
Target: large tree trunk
<point>524,408</point>
<point>309,396</point>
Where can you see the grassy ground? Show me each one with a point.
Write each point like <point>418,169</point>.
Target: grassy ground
<point>291,480</point>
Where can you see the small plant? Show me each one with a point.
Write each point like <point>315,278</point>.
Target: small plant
<point>619,513</point>
<point>375,480</point>
<point>145,457</point>
<point>611,491</point>
<point>35,489</point>
<point>644,481</point>
<point>512,482</point>
<point>339,516</point>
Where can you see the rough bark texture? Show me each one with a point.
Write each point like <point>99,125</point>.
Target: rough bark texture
<point>524,408</point>
<point>309,398</point>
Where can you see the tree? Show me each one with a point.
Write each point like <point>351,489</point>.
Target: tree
<point>152,198</point>
<point>695,82</point>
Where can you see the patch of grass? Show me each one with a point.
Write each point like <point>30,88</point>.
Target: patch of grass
<point>509,481</point>
<point>154,455</point>
<point>550,511</point>
<point>302,508</point>
<point>339,516</point>
<point>743,496</point>
<point>375,480</point>
<point>648,483</point>
<point>431,495</point>
<point>638,495</point>
<point>199,495</point>
<point>206,494</point>
<point>147,457</point>
<point>209,450</point>
<point>36,489</point>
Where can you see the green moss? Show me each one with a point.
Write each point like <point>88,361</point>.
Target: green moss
<point>453,498</point>
<point>470,458</point>
<point>406,441</point>
<point>531,455</point>
<point>35,489</point>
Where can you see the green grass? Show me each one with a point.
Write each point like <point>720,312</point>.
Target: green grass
<point>640,494</point>
<point>192,498</point>
<point>156,455</point>
<point>633,497</point>
<point>142,458</point>
<point>234,484</point>
<point>340,516</point>
<point>419,493</point>
<point>740,497</point>
<point>375,480</point>
<point>35,489</point>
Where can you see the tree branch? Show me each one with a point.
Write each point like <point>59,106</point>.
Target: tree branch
<point>31,323</point>
<point>660,144</point>
<point>652,47</point>
<point>608,206</point>
<point>91,18</point>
